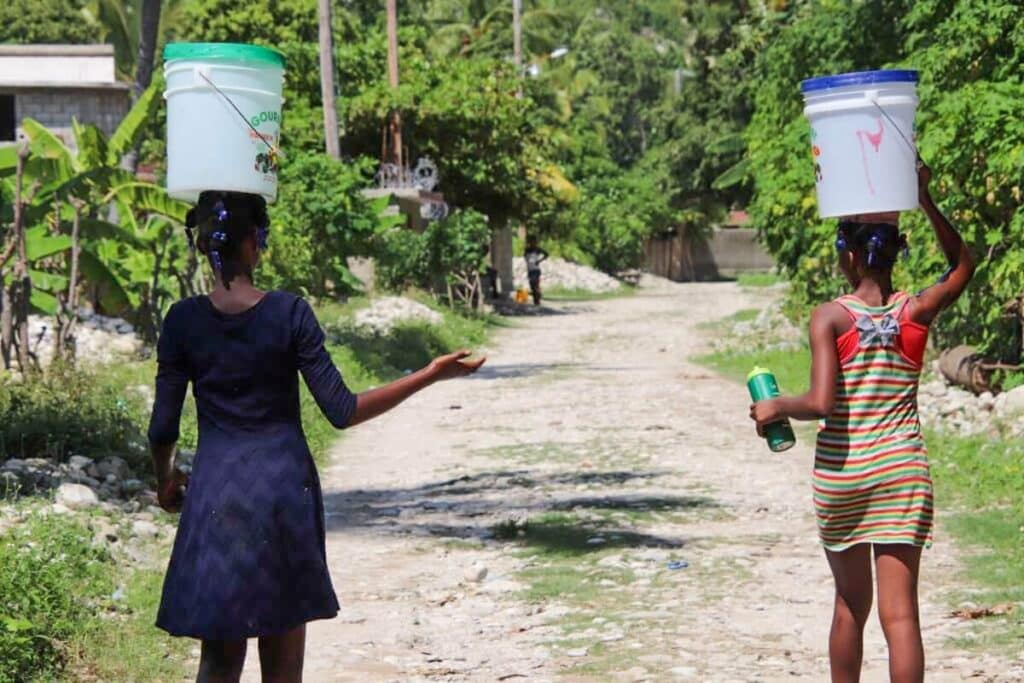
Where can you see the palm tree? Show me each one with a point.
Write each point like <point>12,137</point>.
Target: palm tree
<point>483,27</point>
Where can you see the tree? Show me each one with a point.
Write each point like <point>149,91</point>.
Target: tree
<point>46,21</point>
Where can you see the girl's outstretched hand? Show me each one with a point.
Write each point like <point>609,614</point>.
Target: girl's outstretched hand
<point>454,365</point>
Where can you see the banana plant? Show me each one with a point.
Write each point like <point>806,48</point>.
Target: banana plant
<point>111,249</point>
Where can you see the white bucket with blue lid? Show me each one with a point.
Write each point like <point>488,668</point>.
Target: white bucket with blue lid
<point>223,118</point>
<point>862,141</point>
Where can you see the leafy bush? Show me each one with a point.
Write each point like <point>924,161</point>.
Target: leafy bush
<point>969,130</point>
<point>445,255</point>
<point>51,579</point>
<point>320,219</point>
<point>68,411</point>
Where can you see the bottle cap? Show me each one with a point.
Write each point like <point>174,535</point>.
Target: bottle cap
<point>758,370</point>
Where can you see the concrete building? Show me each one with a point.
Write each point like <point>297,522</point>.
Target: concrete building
<point>55,84</point>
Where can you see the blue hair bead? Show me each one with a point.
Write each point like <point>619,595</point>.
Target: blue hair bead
<point>215,257</point>
<point>261,238</point>
<point>219,236</point>
<point>841,244</point>
<point>221,212</point>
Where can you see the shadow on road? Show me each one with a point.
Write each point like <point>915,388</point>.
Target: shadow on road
<point>498,504</point>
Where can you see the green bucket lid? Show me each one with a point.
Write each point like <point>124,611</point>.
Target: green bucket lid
<point>758,370</point>
<point>235,52</point>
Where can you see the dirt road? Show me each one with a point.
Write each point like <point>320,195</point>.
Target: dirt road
<point>592,506</point>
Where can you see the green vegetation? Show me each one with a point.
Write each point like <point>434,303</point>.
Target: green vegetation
<point>765,279</point>
<point>792,368</point>
<point>60,615</point>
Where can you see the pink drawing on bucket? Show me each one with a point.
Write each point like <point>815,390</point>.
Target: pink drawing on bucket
<point>875,140</point>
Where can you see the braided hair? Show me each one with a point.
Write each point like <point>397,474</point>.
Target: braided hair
<point>223,221</point>
<point>879,244</point>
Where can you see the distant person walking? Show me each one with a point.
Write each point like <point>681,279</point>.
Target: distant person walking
<point>534,257</point>
<point>249,559</point>
<point>872,487</point>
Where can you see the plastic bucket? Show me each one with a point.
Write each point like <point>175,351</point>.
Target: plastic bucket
<point>224,137</point>
<point>862,141</point>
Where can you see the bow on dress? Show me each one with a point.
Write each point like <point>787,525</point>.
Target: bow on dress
<point>880,332</point>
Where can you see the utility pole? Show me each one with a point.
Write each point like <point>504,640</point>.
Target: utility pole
<point>517,42</point>
<point>327,81</point>
<point>501,238</point>
<point>394,154</point>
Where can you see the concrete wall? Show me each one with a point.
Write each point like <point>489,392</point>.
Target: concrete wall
<point>726,253</point>
<point>55,108</point>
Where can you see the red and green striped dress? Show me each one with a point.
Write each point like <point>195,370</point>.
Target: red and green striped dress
<point>871,478</point>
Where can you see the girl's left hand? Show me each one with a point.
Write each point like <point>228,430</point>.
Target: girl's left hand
<point>454,365</point>
<point>764,413</point>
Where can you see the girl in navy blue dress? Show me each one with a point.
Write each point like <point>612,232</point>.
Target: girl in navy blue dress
<point>249,559</point>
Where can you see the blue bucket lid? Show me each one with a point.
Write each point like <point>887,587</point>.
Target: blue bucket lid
<point>858,78</point>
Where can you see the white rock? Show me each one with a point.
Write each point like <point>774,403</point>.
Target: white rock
<point>113,466</point>
<point>1012,402</point>
<point>76,496</point>
<point>561,274</point>
<point>59,509</point>
<point>476,573</point>
<point>577,652</point>
<point>384,313</point>
<point>683,673</point>
<point>144,529</point>
<point>79,462</point>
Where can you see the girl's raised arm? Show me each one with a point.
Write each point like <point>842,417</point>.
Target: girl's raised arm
<point>942,294</point>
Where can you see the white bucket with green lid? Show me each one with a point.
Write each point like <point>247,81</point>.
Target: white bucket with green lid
<point>223,118</point>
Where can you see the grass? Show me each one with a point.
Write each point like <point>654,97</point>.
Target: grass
<point>979,485</point>
<point>792,368</point>
<point>132,649</point>
<point>982,481</point>
<point>565,295</point>
<point>761,279</point>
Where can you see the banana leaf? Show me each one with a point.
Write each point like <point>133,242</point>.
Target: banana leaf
<point>148,197</point>
<point>48,282</point>
<point>45,144</point>
<point>39,244</point>
<point>736,174</point>
<point>128,133</point>
<point>43,302</point>
<point>113,296</point>
<point>92,146</point>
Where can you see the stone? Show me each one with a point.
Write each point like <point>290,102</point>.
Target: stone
<point>476,573</point>
<point>113,466</point>
<point>9,482</point>
<point>577,652</point>
<point>76,496</point>
<point>14,465</point>
<point>683,673</point>
<point>132,486</point>
<point>1011,402</point>
<point>59,509</point>
<point>80,462</point>
<point>144,529</point>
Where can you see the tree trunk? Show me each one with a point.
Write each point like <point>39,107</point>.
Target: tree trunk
<point>517,43</point>
<point>149,32</point>
<point>394,153</point>
<point>327,81</point>
<point>502,256</point>
<point>22,287</point>
<point>963,366</point>
<point>67,316</point>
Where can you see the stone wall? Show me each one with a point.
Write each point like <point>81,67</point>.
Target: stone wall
<point>56,107</point>
<point>726,253</point>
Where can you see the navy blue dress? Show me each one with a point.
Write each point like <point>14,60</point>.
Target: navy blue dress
<point>249,558</point>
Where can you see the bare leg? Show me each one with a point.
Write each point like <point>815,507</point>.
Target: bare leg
<point>897,567</point>
<point>851,569</point>
<point>221,661</point>
<point>281,656</point>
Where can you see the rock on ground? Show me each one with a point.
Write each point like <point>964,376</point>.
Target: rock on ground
<point>98,339</point>
<point>76,496</point>
<point>383,314</point>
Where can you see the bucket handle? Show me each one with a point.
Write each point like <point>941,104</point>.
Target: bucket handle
<point>274,151</point>
<point>872,96</point>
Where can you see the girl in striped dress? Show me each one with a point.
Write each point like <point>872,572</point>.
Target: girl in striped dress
<point>872,489</point>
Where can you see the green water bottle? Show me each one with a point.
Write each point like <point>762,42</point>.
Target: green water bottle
<point>762,385</point>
